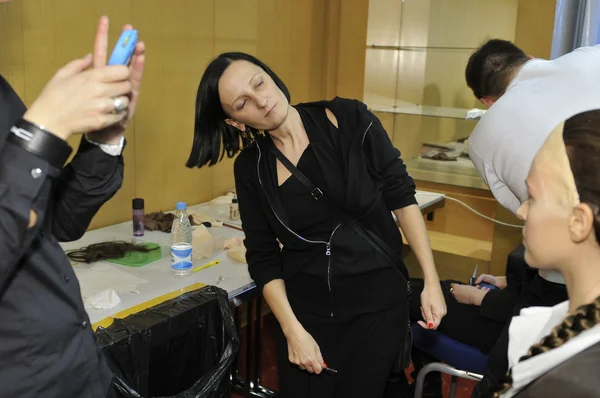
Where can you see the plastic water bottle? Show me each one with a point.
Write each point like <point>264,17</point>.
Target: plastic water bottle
<point>181,242</point>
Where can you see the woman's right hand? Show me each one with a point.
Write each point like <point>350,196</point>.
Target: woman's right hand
<point>304,351</point>
<point>78,100</point>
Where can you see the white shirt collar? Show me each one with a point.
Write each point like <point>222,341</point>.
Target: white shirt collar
<point>528,329</point>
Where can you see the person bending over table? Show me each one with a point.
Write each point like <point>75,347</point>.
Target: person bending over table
<point>527,98</point>
<point>338,303</point>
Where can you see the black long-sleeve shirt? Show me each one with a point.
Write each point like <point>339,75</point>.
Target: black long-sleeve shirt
<point>499,304</point>
<point>364,174</point>
<point>47,347</point>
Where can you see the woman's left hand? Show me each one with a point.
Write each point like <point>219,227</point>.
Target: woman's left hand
<point>433,305</point>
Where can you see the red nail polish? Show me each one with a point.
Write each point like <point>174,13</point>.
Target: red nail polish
<point>325,365</point>
<point>430,325</point>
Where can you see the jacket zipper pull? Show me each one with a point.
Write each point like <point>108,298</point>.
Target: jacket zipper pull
<point>328,250</point>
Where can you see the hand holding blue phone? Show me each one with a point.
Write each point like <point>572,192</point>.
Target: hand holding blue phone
<point>473,282</point>
<point>488,286</point>
<point>124,48</point>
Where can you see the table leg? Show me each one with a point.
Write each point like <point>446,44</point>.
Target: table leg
<point>249,386</point>
<point>258,389</point>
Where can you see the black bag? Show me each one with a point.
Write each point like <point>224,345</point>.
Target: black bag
<point>181,348</point>
<point>371,238</point>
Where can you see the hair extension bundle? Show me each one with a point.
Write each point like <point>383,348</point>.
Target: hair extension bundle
<point>104,251</point>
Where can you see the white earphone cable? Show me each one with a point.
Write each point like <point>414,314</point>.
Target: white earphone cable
<point>474,211</point>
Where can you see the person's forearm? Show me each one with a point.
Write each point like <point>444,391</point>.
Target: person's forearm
<point>413,227</point>
<point>22,177</point>
<point>85,184</point>
<point>275,295</point>
<point>501,280</point>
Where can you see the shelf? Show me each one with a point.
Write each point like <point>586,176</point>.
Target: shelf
<point>423,110</point>
<point>418,48</point>
<point>460,173</point>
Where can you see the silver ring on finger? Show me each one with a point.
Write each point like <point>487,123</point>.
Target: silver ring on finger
<point>119,105</point>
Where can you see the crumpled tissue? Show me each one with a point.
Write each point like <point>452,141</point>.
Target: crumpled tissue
<point>104,300</point>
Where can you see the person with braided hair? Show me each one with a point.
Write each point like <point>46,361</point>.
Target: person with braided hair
<point>556,351</point>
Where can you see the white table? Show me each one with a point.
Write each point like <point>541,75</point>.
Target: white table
<point>229,275</point>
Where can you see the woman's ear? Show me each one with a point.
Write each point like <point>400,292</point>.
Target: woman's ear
<point>237,125</point>
<point>581,223</point>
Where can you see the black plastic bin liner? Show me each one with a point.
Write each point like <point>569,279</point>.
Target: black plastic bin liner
<point>181,348</point>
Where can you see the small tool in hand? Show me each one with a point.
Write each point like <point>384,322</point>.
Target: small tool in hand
<point>473,277</point>
<point>328,369</point>
<point>473,280</point>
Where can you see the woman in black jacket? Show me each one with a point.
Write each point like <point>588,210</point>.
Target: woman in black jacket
<point>338,302</point>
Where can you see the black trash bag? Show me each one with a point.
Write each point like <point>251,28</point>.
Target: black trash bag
<point>182,348</point>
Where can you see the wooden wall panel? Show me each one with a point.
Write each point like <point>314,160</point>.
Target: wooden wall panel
<point>316,46</point>
<point>351,48</point>
<point>306,45</point>
<point>535,25</point>
<point>274,39</point>
<point>39,46</point>
<point>235,29</point>
<point>180,41</point>
<point>467,23</point>
<point>11,47</point>
<point>331,40</point>
<point>82,16</point>
<point>235,26</point>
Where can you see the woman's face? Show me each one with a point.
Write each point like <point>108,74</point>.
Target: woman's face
<point>250,97</point>
<point>548,210</point>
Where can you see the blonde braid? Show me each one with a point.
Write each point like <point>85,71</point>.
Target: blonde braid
<point>584,318</point>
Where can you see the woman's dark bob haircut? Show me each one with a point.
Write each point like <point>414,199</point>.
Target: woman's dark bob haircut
<point>213,138</point>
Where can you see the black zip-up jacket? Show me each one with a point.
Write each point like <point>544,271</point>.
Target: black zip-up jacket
<point>343,276</point>
<point>47,347</point>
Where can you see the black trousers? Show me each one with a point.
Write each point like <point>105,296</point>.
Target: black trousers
<point>536,292</point>
<point>362,349</point>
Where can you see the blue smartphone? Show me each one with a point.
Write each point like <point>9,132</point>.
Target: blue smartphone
<point>489,286</point>
<point>124,48</point>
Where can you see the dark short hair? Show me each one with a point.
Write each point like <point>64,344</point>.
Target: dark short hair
<point>491,65</point>
<point>213,138</point>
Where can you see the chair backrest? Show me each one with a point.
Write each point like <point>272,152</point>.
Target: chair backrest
<point>448,350</point>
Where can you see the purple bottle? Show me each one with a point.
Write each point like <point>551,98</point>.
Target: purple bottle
<point>138,216</point>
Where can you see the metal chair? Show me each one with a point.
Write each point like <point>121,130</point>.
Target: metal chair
<point>456,359</point>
